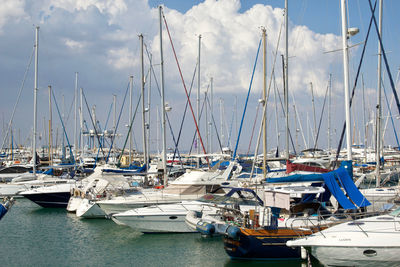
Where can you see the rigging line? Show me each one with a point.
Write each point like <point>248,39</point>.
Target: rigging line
<point>65,132</point>
<point>252,131</point>
<point>215,125</point>
<point>70,110</point>
<point>169,123</point>
<point>184,113</point>
<point>119,118</point>
<point>184,86</point>
<point>194,137</point>
<point>385,59</point>
<point>247,100</point>
<point>354,88</point>
<point>18,97</point>
<point>108,116</point>
<point>391,116</point>
<point>130,129</point>
<point>94,125</point>
<point>320,119</point>
<point>230,130</point>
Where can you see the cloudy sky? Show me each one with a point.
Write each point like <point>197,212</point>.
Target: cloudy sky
<point>99,40</point>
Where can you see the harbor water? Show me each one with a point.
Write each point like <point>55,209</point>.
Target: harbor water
<point>35,236</point>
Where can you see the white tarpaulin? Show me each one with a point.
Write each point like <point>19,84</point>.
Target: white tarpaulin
<point>276,199</point>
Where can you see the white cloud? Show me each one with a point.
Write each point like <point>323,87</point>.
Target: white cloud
<point>10,10</point>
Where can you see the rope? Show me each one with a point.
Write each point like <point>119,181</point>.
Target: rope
<point>62,124</point>
<point>184,86</point>
<point>94,126</point>
<point>354,88</point>
<point>215,125</point>
<point>169,123</point>
<point>116,126</point>
<point>247,100</point>
<point>18,97</point>
<point>320,119</point>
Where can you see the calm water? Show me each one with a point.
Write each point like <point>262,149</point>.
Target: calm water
<point>34,236</point>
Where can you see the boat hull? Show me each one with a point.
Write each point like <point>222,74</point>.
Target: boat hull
<point>50,200</point>
<point>156,223</point>
<point>262,244</point>
<point>357,256</point>
<point>89,210</point>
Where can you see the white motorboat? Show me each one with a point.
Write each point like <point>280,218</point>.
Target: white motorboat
<point>54,196</point>
<point>373,241</point>
<point>104,182</point>
<point>171,217</point>
<point>190,186</point>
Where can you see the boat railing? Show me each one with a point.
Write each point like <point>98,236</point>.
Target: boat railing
<point>317,222</point>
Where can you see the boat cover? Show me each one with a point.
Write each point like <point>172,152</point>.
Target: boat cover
<point>3,211</point>
<point>334,188</point>
<point>355,197</point>
<point>352,191</point>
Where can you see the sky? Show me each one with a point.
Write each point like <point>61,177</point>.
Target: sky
<point>99,40</point>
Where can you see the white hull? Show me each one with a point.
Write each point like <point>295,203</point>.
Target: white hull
<point>357,256</point>
<point>8,190</point>
<point>88,209</point>
<point>156,223</point>
<point>373,241</point>
<point>74,203</point>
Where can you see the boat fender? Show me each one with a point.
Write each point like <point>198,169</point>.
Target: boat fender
<point>205,228</point>
<point>233,232</point>
<point>76,193</point>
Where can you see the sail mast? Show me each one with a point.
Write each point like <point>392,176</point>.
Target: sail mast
<point>346,78</point>
<point>379,105</point>
<point>286,95</point>
<point>143,106</point>
<point>264,101</point>
<point>164,156</point>
<point>35,100</point>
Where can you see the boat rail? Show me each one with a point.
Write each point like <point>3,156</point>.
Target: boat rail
<point>319,222</point>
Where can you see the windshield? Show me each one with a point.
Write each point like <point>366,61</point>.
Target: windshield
<point>215,199</point>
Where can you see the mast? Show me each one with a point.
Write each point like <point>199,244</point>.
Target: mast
<point>329,112</point>
<point>148,110</point>
<point>35,99</point>
<point>50,130</point>
<point>198,105</point>
<point>143,106</point>
<point>212,113</point>
<point>164,157</point>
<point>379,105</point>
<point>346,78</point>
<point>130,117</point>
<point>286,89</point>
<point>221,115</point>
<point>76,116</point>
<point>264,101</point>
<point>314,116</point>
<point>81,123</point>
<point>63,134</point>
<point>364,120</point>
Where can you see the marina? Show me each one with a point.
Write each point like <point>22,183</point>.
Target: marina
<point>33,236</point>
<point>221,168</point>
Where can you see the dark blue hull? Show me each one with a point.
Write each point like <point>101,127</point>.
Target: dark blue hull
<point>262,245</point>
<point>50,200</point>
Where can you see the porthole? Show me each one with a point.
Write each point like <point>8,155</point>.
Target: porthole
<point>370,253</point>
